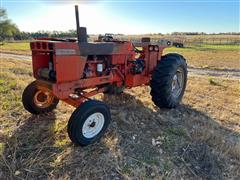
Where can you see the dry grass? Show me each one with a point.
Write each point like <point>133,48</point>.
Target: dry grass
<point>199,139</point>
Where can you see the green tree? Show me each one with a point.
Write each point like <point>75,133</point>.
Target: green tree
<point>7,28</point>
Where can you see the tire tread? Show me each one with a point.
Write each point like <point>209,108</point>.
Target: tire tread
<point>162,78</point>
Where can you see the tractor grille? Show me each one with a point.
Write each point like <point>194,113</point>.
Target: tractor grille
<point>41,46</point>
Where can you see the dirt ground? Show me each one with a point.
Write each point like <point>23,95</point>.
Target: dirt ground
<point>198,140</point>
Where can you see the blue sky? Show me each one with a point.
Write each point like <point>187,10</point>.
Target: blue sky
<point>126,16</point>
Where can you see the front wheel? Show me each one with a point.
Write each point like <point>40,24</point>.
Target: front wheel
<point>169,81</point>
<point>88,122</point>
<point>37,101</point>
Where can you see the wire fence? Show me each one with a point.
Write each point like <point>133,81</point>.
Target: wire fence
<point>190,41</point>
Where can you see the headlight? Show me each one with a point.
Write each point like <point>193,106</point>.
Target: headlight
<point>156,48</point>
<point>150,48</point>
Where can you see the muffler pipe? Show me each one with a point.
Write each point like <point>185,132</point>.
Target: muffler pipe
<point>81,31</point>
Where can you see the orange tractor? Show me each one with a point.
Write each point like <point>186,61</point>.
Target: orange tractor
<point>74,70</point>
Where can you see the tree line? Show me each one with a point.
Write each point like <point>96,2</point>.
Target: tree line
<point>21,35</point>
<point>203,33</point>
<point>10,31</point>
<point>7,28</point>
<point>46,34</point>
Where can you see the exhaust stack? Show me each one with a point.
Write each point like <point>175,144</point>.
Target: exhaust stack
<point>81,31</point>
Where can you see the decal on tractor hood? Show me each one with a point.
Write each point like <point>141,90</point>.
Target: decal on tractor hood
<point>65,52</point>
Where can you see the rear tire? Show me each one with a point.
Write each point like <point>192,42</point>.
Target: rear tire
<point>169,81</point>
<point>88,122</point>
<point>37,101</point>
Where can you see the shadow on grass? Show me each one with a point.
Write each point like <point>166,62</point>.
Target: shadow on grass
<point>30,149</point>
<point>141,142</point>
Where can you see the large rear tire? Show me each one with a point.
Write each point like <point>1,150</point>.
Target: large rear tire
<point>88,122</point>
<point>37,101</point>
<point>169,81</point>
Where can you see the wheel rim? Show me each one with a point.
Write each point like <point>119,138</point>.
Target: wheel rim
<point>177,82</point>
<point>43,99</point>
<point>93,125</point>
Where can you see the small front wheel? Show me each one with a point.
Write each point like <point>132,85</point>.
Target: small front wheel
<point>37,101</point>
<point>88,122</point>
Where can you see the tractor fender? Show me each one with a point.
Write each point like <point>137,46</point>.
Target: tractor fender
<point>176,55</point>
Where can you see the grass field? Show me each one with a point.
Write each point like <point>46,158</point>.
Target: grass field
<point>203,56</point>
<point>198,140</point>
<point>16,48</point>
<point>210,56</point>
